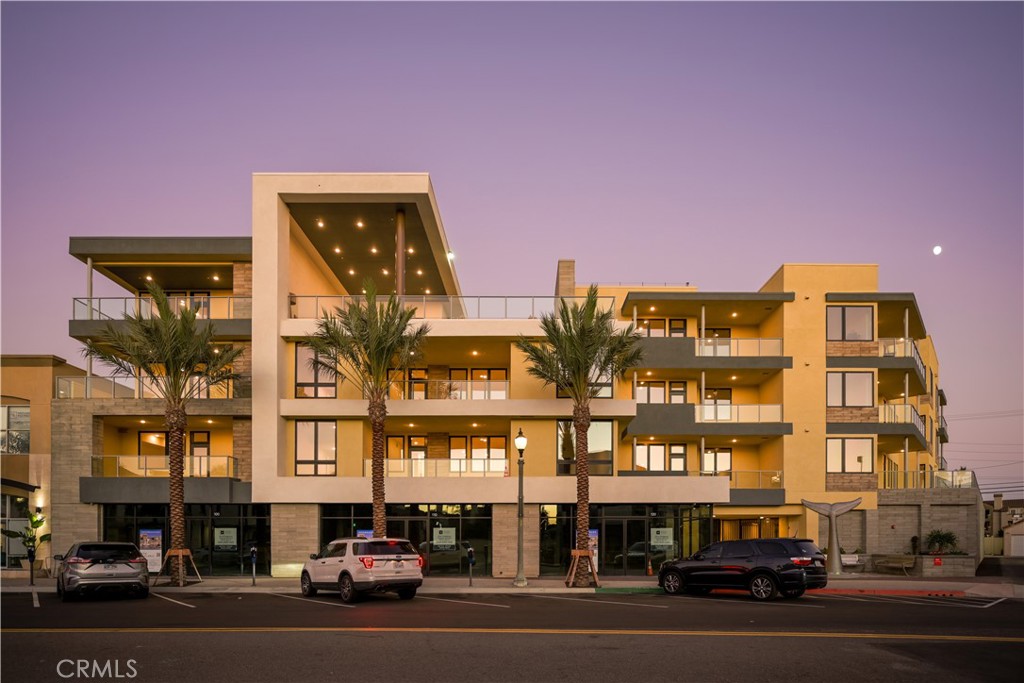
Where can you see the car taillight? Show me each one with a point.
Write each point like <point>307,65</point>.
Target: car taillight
<point>367,562</point>
<point>801,561</point>
<point>76,560</point>
<point>419,561</point>
<point>137,560</point>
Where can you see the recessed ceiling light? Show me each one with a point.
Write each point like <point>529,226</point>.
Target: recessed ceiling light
<point>216,278</point>
<point>426,291</point>
<point>216,352</point>
<point>733,378</point>
<point>734,440</point>
<point>474,424</point>
<point>359,224</point>
<point>649,373</point>
<point>337,250</point>
<point>373,250</point>
<point>142,422</point>
<point>476,353</point>
<point>319,222</point>
<point>650,438</point>
<point>419,271</point>
<point>351,271</point>
<point>364,290</point>
<point>149,278</point>
<point>652,309</point>
<point>734,314</point>
<point>411,250</point>
<point>384,270</point>
<point>209,422</point>
<point>451,255</point>
<point>411,424</point>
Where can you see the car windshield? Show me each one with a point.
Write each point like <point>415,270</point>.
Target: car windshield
<point>808,548</point>
<point>108,553</point>
<point>384,548</point>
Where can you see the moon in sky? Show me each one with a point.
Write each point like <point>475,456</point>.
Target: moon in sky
<point>936,250</point>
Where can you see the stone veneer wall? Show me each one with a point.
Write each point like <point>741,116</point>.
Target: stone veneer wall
<point>852,349</point>
<point>242,447</point>
<point>242,278</point>
<point>294,534</point>
<point>834,414</point>
<point>505,532</point>
<point>851,481</point>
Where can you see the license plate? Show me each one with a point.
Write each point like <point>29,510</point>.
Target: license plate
<point>399,564</point>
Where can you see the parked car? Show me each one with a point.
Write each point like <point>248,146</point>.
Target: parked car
<point>96,566</point>
<point>638,554</point>
<point>354,566</point>
<point>766,567</point>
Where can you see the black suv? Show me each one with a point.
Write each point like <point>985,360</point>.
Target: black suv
<point>764,566</point>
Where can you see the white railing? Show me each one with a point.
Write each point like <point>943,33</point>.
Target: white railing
<point>739,413</point>
<point>133,466</point>
<point>453,389</point>
<point>901,348</point>
<point>900,413</point>
<point>749,479</point>
<point>447,467</point>
<point>448,307</point>
<point>206,307</point>
<point>82,386</point>
<point>730,346</point>
<point>932,479</point>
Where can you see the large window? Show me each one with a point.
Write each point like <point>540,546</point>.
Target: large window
<point>599,448</point>
<point>849,455</point>
<point>311,382</point>
<point>650,392</point>
<point>716,460</point>
<point>850,389</point>
<point>477,454</point>
<point>316,448</point>
<point>659,457</point>
<point>849,323</point>
<point>14,429</point>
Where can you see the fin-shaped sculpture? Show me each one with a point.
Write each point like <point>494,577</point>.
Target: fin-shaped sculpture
<point>832,510</point>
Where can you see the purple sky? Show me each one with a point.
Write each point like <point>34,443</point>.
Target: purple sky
<point>658,142</point>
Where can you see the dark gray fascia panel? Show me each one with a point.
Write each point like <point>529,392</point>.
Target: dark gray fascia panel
<point>679,420</point>
<point>881,429</point>
<point>756,497</point>
<point>710,297</point>
<point>231,330</point>
<point>129,249</point>
<point>675,353</point>
<point>880,363</point>
<point>112,490</point>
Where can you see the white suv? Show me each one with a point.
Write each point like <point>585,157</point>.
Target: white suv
<point>356,565</point>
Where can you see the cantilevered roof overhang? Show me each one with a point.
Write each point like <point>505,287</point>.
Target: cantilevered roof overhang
<point>891,307</point>
<point>751,308</point>
<point>175,263</point>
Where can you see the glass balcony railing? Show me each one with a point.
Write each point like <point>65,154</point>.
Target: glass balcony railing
<point>455,389</point>
<point>158,466</point>
<point>749,479</point>
<point>900,413</point>
<point>449,307</point>
<point>739,413</point>
<point>78,387</point>
<point>901,348</point>
<point>932,479</point>
<point>730,347</point>
<point>206,307</point>
<point>448,467</point>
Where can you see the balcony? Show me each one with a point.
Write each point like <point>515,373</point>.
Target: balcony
<point>692,353</point>
<point>739,413</point>
<point>943,431</point>
<point>134,466</point>
<point>688,420</point>
<point>753,487</point>
<point>887,419</point>
<point>884,354</point>
<point>96,387</point>
<point>232,315</point>
<point>447,467</point>
<point>933,479</point>
<point>449,307</point>
<point>715,347</point>
<point>453,390</point>
<point>900,413</point>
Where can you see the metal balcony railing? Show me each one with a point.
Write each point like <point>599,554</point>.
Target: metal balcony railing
<point>455,389</point>
<point>739,413</point>
<point>728,347</point>
<point>448,467</point>
<point>901,348</point>
<point>749,479</point>
<point>900,413</point>
<point>932,479</point>
<point>449,307</point>
<point>81,386</point>
<point>158,466</point>
<point>206,307</point>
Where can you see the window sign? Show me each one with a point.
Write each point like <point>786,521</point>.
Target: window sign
<point>444,538</point>
<point>151,545</point>
<point>594,538</point>
<point>364,533</point>
<point>225,538</point>
<point>662,538</point>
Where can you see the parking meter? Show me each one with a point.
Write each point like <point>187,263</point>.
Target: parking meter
<point>31,551</point>
<point>252,559</point>
<point>471,558</point>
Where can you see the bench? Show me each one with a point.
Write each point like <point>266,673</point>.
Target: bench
<point>852,562</point>
<point>903,562</point>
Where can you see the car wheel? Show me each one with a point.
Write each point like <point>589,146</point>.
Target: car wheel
<point>308,590</point>
<point>672,583</point>
<point>762,587</point>
<point>407,593</point>
<point>794,593</point>
<point>64,595</point>
<point>348,591</point>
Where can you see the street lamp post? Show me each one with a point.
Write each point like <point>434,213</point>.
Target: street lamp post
<point>520,580</point>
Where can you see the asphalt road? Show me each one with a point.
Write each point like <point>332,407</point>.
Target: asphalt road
<point>284,637</point>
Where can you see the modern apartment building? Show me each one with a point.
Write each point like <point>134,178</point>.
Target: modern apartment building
<point>817,386</point>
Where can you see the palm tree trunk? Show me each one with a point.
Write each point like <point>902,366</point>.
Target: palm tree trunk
<point>176,421</point>
<point>378,412</point>
<point>581,423</point>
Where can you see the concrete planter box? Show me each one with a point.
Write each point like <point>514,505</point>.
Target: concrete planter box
<point>952,565</point>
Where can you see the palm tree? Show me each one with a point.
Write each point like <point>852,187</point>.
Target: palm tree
<point>179,359</point>
<point>365,343</point>
<point>579,351</point>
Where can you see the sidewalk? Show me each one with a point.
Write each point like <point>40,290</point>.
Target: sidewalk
<point>859,583</point>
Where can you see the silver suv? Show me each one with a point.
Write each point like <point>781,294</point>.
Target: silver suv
<point>353,566</point>
<point>102,566</point>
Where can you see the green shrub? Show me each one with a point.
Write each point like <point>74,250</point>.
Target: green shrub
<point>941,541</point>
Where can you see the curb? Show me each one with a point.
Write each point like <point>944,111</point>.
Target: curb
<point>885,591</point>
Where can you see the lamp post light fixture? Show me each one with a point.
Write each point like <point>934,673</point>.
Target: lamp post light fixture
<point>520,580</point>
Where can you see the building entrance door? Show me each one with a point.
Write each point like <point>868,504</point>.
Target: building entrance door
<point>624,549</point>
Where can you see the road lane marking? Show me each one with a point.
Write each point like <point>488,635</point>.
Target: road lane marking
<point>35,599</point>
<point>319,602</point>
<point>536,631</point>
<point>988,605</point>
<point>600,602</point>
<point>464,602</point>
<point>164,597</point>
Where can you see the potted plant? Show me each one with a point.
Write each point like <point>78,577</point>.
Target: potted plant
<point>30,539</point>
<point>940,541</point>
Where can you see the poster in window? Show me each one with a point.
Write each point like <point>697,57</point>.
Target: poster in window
<point>151,545</point>
<point>225,538</point>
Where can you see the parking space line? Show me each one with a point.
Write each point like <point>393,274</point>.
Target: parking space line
<point>464,602</point>
<point>164,597</point>
<point>319,602</point>
<point>924,601</point>
<point>600,602</point>
<point>996,602</point>
<point>35,599</point>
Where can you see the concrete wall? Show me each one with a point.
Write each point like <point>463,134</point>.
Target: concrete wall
<point>504,532</point>
<point>294,534</point>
